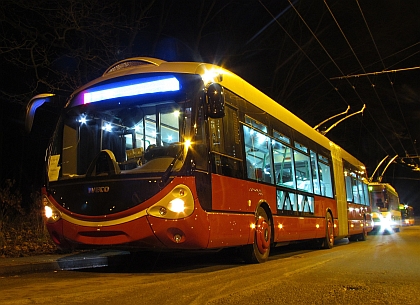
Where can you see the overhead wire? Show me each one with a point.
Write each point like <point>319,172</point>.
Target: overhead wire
<point>405,57</point>
<point>372,85</point>
<point>304,53</point>
<point>333,61</point>
<point>392,86</point>
<point>316,67</point>
<point>388,69</point>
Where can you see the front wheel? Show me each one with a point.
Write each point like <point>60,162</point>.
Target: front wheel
<point>259,251</point>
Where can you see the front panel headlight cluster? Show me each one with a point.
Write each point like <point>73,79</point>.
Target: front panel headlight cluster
<point>51,213</point>
<point>178,203</point>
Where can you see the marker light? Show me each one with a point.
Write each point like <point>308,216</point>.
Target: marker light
<point>131,88</point>
<point>187,143</point>
<point>210,76</point>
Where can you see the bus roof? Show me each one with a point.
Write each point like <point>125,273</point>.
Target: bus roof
<point>229,80</point>
<point>387,186</point>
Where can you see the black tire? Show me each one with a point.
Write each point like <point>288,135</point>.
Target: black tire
<point>363,236</point>
<point>359,237</point>
<point>259,251</point>
<point>353,238</point>
<point>328,240</point>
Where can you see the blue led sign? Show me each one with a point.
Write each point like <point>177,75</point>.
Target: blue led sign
<point>131,88</point>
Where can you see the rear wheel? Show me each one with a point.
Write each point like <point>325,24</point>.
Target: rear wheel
<point>363,236</point>
<point>353,238</point>
<point>328,240</point>
<point>259,251</point>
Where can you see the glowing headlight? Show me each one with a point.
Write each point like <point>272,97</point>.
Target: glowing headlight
<point>50,212</point>
<point>385,221</point>
<point>177,205</point>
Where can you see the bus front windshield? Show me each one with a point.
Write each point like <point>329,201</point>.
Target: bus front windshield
<point>120,138</point>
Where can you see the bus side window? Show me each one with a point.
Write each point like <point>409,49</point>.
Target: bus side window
<point>349,190</point>
<point>216,135</point>
<point>258,155</point>
<point>366,194</point>
<point>360,189</point>
<point>315,173</point>
<point>303,172</point>
<point>283,165</point>
<point>325,178</point>
<point>225,144</point>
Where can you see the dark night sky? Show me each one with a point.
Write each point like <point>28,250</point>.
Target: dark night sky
<point>296,52</point>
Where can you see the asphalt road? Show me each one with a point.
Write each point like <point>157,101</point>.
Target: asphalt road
<point>385,269</point>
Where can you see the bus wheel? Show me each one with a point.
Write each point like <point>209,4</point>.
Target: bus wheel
<point>328,240</point>
<point>259,251</point>
<point>353,238</point>
<point>363,236</point>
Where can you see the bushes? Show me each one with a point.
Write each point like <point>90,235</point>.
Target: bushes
<point>10,204</point>
<point>22,231</point>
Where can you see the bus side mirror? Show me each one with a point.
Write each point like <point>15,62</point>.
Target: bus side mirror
<point>36,102</point>
<point>215,101</point>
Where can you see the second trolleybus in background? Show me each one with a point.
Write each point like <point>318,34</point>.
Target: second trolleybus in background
<point>184,156</point>
<point>386,207</point>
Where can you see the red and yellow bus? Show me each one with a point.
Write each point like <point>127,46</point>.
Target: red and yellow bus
<point>186,155</point>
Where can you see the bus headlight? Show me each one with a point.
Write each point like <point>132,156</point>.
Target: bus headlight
<point>178,203</point>
<point>385,221</point>
<point>50,212</point>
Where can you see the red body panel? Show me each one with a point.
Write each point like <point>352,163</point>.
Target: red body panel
<point>134,233</point>
<point>359,218</point>
<point>235,195</point>
<point>143,232</point>
<point>227,230</point>
<point>231,223</point>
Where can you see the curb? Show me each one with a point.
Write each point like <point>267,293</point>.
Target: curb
<point>44,263</point>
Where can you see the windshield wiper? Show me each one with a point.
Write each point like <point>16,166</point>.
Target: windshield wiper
<point>168,171</point>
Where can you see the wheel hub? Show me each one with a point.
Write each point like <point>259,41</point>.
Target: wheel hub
<point>263,235</point>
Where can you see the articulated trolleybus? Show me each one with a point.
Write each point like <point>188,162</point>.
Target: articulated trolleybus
<point>188,156</point>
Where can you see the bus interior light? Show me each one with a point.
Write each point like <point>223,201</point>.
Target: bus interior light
<point>131,88</point>
<point>83,120</point>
